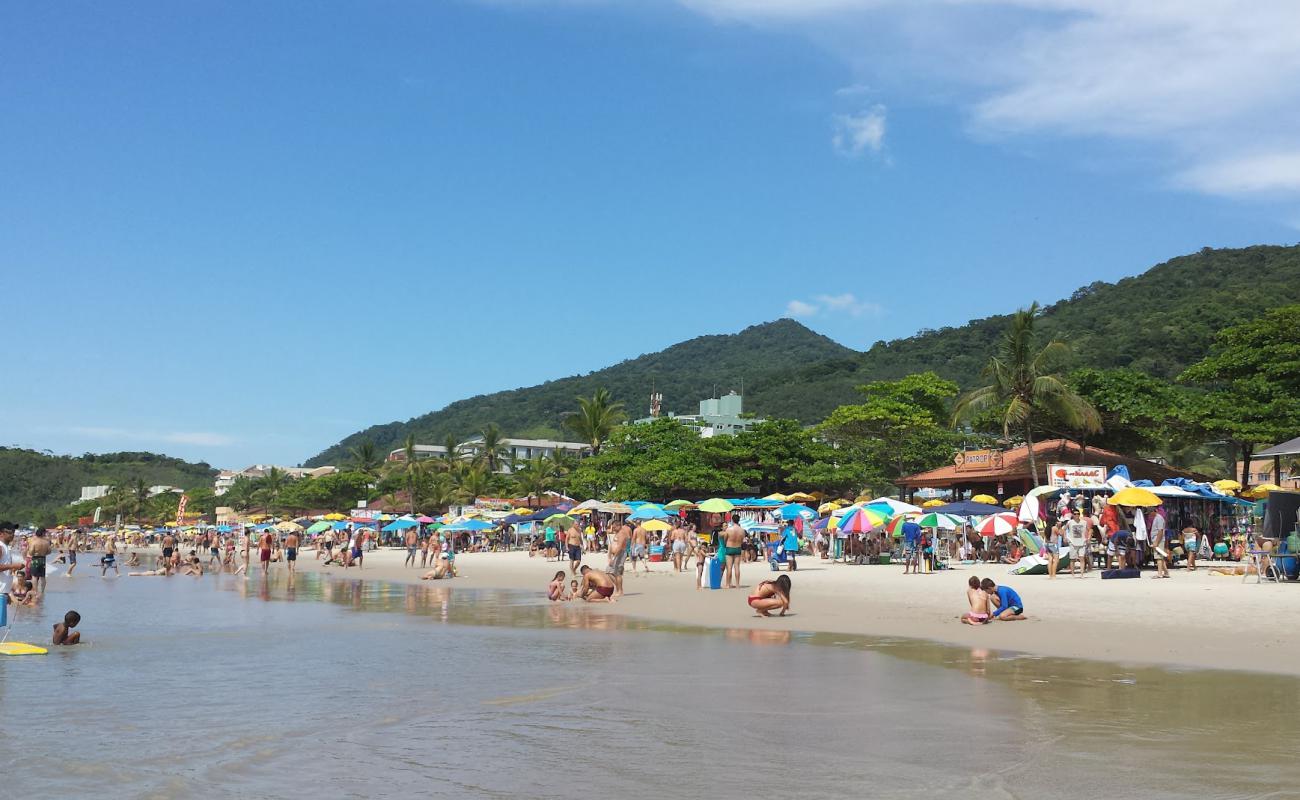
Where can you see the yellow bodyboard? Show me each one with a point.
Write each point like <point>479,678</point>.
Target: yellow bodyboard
<point>21,649</point>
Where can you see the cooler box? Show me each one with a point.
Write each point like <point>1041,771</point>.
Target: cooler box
<point>883,558</point>
<point>657,552</point>
<point>715,573</point>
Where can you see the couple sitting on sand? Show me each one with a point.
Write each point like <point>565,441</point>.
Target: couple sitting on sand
<point>988,602</point>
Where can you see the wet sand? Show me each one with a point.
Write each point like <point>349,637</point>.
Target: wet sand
<point>1193,619</point>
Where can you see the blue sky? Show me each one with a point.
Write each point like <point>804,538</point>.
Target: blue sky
<point>239,232</point>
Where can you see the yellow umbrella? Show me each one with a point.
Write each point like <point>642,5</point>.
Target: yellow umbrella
<point>582,512</point>
<point>777,496</point>
<point>833,524</point>
<point>800,497</point>
<point>1013,502</point>
<point>1261,491</point>
<point>826,508</point>
<point>335,517</point>
<point>1134,496</point>
<point>985,498</point>
<point>1227,485</point>
<point>656,525</point>
<point>931,503</point>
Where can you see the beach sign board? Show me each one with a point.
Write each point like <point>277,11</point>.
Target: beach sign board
<point>1075,476</point>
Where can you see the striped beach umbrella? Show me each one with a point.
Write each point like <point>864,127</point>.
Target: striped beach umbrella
<point>935,520</point>
<point>997,524</point>
<point>862,520</point>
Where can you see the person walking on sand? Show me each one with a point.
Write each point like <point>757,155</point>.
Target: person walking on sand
<point>412,542</point>
<point>169,549</point>
<point>1054,543</point>
<point>732,540</point>
<point>573,541</point>
<point>639,548</point>
<point>677,541</point>
<point>618,548</point>
<point>72,553</point>
<point>291,552</point>
<point>1076,532</point>
<point>265,545</point>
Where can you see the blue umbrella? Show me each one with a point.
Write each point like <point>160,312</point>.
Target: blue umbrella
<point>649,511</point>
<point>400,525</point>
<point>796,511</point>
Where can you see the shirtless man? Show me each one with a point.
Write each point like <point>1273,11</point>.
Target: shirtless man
<point>732,538</point>
<point>72,552</point>
<point>110,558</point>
<point>291,552</point>
<point>598,587</point>
<point>38,550</point>
<point>573,540</point>
<point>214,550</point>
<point>266,543</point>
<point>677,541</point>
<point>618,547</point>
<point>639,549</point>
<point>168,549</point>
<point>412,544</point>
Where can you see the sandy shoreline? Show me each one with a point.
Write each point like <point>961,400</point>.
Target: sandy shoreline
<point>1192,620</point>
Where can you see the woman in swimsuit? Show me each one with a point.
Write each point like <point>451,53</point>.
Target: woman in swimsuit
<point>771,595</point>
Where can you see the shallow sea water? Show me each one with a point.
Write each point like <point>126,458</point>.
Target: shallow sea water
<point>230,688</point>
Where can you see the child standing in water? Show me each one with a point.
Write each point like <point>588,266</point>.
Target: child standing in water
<point>979,603</point>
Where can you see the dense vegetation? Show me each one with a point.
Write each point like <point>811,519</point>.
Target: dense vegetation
<point>35,486</point>
<point>1157,323</point>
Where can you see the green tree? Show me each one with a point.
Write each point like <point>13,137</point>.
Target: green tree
<point>535,476</point>
<point>493,447</point>
<point>242,494</point>
<point>658,460</point>
<point>780,456</point>
<point>595,419</point>
<point>365,458</point>
<point>451,457</point>
<point>1023,385</point>
<point>1253,377</point>
<point>270,485</point>
<point>899,429</point>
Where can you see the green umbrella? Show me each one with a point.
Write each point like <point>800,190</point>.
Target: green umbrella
<point>319,527</point>
<point>677,505</point>
<point>559,520</point>
<point>936,520</point>
<point>716,505</point>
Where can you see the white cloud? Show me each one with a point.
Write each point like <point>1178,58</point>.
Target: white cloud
<point>203,438</point>
<point>1210,87</point>
<point>848,304</point>
<point>859,132</point>
<point>798,308</point>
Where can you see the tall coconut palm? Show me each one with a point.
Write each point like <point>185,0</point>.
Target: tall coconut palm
<point>412,470</point>
<point>139,497</point>
<point>596,418</point>
<point>452,457</point>
<point>493,448</point>
<point>242,494</point>
<point>439,492</point>
<point>1022,384</point>
<point>534,477</point>
<point>473,481</point>
<point>271,484</point>
<point>366,458</point>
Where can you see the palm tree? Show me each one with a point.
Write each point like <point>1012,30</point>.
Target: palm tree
<point>242,494</point>
<point>439,492</point>
<point>139,497</point>
<point>492,446</point>
<point>472,481</point>
<point>412,470</point>
<point>596,418</point>
<point>535,476</point>
<point>452,457</point>
<point>1022,385</point>
<point>366,458</point>
<point>271,484</point>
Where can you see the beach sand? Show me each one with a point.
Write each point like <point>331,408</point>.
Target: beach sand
<point>1193,619</point>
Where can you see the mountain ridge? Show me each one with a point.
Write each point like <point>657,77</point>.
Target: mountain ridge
<point>1158,322</point>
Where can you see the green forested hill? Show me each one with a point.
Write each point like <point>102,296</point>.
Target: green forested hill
<point>33,484</point>
<point>1157,322</point>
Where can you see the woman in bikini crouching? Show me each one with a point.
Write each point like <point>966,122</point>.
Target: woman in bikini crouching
<point>768,596</point>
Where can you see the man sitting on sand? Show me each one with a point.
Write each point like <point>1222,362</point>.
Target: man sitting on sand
<point>63,631</point>
<point>1007,605</point>
<point>595,587</point>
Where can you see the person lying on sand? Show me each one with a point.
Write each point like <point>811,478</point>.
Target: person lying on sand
<point>150,573</point>
<point>979,603</point>
<point>768,596</point>
<point>595,587</point>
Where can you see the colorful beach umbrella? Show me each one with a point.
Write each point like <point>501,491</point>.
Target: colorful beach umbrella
<point>946,522</point>
<point>998,524</point>
<point>895,526</point>
<point>862,520</point>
